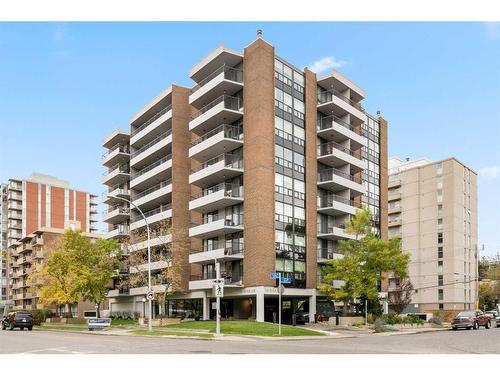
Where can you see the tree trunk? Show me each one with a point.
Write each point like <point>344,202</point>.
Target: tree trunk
<point>98,309</point>
<point>68,311</point>
<point>344,308</point>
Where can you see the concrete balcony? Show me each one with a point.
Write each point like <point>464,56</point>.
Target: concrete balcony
<point>394,182</point>
<point>220,56</point>
<point>120,191</point>
<point>215,170</point>
<point>115,215</point>
<point>118,154</point>
<point>153,174</point>
<point>211,255</point>
<point>394,209</point>
<point>334,232</point>
<point>326,255</point>
<point>224,80</point>
<point>116,137</point>
<point>153,196</point>
<point>158,214</point>
<point>335,180</point>
<point>225,109</point>
<point>156,241</point>
<point>336,155</point>
<point>117,174</point>
<point>148,153</point>
<point>334,102</point>
<point>158,265</point>
<point>332,204</point>
<point>24,260</point>
<point>118,231</point>
<point>393,196</point>
<point>206,281</point>
<point>332,128</point>
<point>217,227</point>
<point>216,197</point>
<point>157,124</point>
<point>224,138</point>
<point>394,223</point>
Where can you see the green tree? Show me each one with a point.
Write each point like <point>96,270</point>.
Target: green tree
<point>79,268</point>
<point>365,259</point>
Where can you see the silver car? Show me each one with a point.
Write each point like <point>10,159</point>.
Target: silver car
<point>495,317</point>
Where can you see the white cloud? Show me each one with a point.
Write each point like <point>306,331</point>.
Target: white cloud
<point>326,63</point>
<point>490,172</point>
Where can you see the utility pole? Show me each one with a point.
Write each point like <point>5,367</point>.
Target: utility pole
<point>279,304</point>
<point>217,319</point>
<point>366,311</point>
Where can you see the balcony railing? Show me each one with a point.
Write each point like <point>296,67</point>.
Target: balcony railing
<point>123,148</point>
<point>230,221</point>
<point>230,160</point>
<point>325,253</point>
<point>228,250</point>
<point>162,208</point>
<point>156,116</point>
<point>330,226</point>
<point>122,229</point>
<point>230,190</point>
<point>122,210</point>
<point>327,96</point>
<point>327,149</point>
<point>327,201</point>
<point>230,102</point>
<point>152,143</point>
<point>151,166</point>
<point>209,275</point>
<point>230,131</point>
<point>231,74</point>
<point>121,167</point>
<point>327,122</point>
<point>327,175</point>
<point>152,189</point>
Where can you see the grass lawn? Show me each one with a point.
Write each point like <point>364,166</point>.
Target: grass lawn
<point>140,332</point>
<point>246,327</point>
<point>124,322</point>
<point>62,327</point>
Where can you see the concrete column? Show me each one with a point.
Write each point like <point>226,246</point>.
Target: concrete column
<point>206,307</point>
<point>259,302</point>
<point>312,306</point>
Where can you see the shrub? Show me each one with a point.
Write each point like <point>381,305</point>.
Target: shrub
<point>436,321</point>
<point>392,319</point>
<point>370,318</point>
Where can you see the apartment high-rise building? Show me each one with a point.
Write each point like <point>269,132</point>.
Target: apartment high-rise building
<point>3,245</point>
<point>42,201</point>
<point>264,163</point>
<point>433,208</point>
<point>27,256</point>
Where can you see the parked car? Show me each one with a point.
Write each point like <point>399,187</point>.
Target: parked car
<point>18,319</point>
<point>471,319</point>
<point>495,317</point>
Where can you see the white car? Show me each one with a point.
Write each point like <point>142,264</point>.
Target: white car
<point>495,316</point>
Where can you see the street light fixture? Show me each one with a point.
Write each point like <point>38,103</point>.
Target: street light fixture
<point>150,314</point>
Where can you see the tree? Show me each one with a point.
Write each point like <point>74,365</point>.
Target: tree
<point>78,268</point>
<point>55,281</point>
<point>166,279</point>
<point>487,296</point>
<point>400,297</point>
<point>365,259</point>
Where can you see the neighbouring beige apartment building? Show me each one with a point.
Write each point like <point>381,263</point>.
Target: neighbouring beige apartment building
<point>433,208</point>
<point>264,163</point>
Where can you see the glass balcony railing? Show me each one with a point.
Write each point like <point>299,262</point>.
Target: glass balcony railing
<point>151,166</point>
<point>327,175</point>
<point>230,102</point>
<point>230,161</point>
<point>328,199</point>
<point>156,116</point>
<point>152,143</point>
<point>327,96</point>
<point>228,250</point>
<point>230,131</point>
<point>327,123</point>
<point>327,149</point>
<point>327,228</point>
<point>230,190</point>
<point>162,208</point>
<point>229,221</point>
<point>152,189</point>
<point>230,74</point>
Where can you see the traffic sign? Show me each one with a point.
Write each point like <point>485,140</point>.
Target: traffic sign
<point>275,275</point>
<point>219,290</point>
<point>286,280</point>
<point>150,295</point>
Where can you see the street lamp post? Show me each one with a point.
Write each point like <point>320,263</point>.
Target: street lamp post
<point>150,314</point>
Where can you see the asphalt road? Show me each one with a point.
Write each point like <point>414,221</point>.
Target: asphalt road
<point>46,342</point>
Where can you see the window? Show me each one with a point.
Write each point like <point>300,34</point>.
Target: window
<point>440,224</point>
<point>440,294</point>
<point>440,251</point>
<point>440,280</point>
<point>440,237</point>
<point>441,306</point>
<point>440,195</point>
<point>440,266</point>
<point>440,210</point>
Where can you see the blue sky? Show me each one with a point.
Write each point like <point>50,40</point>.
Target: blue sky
<point>65,86</point>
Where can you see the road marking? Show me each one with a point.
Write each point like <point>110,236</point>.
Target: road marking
<point>59,349</point>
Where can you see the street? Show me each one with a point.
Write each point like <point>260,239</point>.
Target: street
<point>441,342</point>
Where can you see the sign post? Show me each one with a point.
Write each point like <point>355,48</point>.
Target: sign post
<point>281,288</point>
